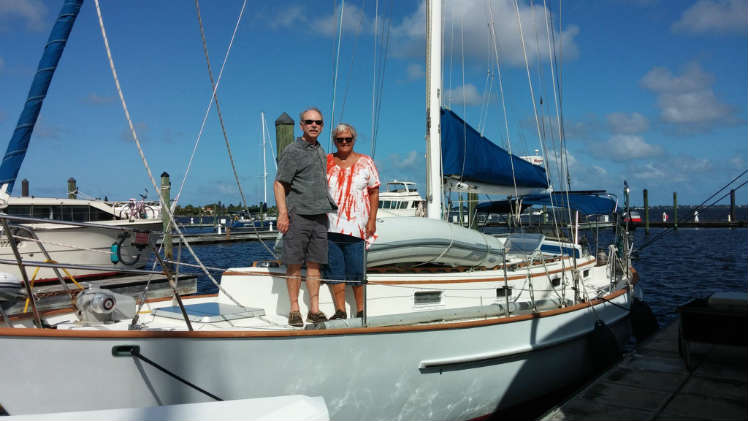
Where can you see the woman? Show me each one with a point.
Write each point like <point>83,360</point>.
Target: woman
<point>353,181</point>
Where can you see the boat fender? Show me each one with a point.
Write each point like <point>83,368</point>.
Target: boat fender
<point>122,239</point>
<point>603,346</point>
<point>643,320</point>
<point>114,253</point>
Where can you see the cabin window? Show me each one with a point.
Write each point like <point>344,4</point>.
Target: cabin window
<point>504,291</point>
<point>385,204</point>
<point>414,204</point>
<point>556,282</point>
<point>427,297</point>
<point>586,273</point>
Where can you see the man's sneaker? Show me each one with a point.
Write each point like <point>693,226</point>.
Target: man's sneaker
<point>339,314</point>
<point>294,319</point>
<point>316,317</point>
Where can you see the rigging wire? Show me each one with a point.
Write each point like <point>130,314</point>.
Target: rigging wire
<point>220,115</point>
<point>350,64</point>
<point>492,29</point>
<point>335,72</point>
<point>374,76</point>
<point>139,147</point>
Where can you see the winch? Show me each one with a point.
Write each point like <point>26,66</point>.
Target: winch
<point>103,306</point>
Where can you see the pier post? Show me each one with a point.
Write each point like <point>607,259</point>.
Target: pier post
<point>732,206</point>
<point>72,189</point>
<point>25,189</point>
<point>166,199</point>
<point>283,132</point>
<point>675,210</point>
<point>646,212</point>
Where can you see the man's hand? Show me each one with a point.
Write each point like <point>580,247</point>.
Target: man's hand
<point>283,222</point>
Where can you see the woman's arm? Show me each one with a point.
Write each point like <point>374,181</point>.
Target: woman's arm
<point>371,225</point>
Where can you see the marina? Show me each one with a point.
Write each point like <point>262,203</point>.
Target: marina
<point>502,273</point>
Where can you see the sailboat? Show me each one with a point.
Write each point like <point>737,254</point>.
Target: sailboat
<point>458,324</point>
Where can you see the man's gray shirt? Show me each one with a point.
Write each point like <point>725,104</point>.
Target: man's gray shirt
<point>303,166</point>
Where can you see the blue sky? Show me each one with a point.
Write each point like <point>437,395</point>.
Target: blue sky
<point>653,92</point>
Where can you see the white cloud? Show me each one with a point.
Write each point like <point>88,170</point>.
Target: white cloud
<point>354,21</point>
<point>409,161</point>
<point>416,71</point>
<point>687,99</point>
<point>624,147</point>
<point>713,16</point>
<point>627,123</point>
<point>463,95</point>
<point>33,12</point>
<point>94,98</point>
<point>467,22</point>
<point>291,16</point>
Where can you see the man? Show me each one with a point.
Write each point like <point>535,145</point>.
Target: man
<point>303,202</point>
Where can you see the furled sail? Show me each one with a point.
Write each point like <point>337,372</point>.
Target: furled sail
<point>587,202</point>
<point>469,157</point>
<point>19,143</point>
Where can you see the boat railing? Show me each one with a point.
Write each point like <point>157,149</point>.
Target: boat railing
<point>24,225</point>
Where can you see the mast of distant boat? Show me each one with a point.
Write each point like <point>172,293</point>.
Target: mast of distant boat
<point>433,104</point>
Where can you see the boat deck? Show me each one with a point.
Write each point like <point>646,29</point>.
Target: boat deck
<point>653,383</point>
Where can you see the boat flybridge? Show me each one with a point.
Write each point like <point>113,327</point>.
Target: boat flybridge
<point>400,198</point>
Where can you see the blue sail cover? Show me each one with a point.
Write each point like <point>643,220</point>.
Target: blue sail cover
<point>589,203</point>
<point>19,143</point>
<point>471,157</point>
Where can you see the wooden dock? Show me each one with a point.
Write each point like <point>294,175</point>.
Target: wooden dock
<point>653,383</point>
<point>227,237</point>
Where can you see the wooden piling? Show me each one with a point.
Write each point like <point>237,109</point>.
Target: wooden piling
<point>675,210</point>
<point>646,212</point>
<point>166,198</point>
<point>25,188</point>
<point>283,132</point>
<point>72,189</point>
<point>732,206</point>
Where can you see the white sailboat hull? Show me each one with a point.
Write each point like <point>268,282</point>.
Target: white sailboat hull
<point>69,244</point>
<point>445,371</point>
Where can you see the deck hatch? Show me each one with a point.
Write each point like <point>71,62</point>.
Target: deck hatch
<point>210,312</point>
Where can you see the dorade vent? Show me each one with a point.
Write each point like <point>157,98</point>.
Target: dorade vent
<point>427,297</point>
<point>504,291</point>
<point>210,312</point>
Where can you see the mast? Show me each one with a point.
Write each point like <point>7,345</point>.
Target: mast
<point>433,117</point>
<point>19,143</point>
<point>264,161</point>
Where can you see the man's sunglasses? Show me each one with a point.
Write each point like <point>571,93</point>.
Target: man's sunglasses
<point>344,139</point>
<point>317,122</point>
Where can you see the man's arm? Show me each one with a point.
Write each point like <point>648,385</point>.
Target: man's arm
<point>280,189</point>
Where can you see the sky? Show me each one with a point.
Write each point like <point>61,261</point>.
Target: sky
<point>653,92</point>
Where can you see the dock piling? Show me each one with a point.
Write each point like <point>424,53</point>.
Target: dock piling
<point>72,189</point>
<point>646,212</point>
<point>675,210</point>
<point>166,198</point>
<point>283,132</point>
